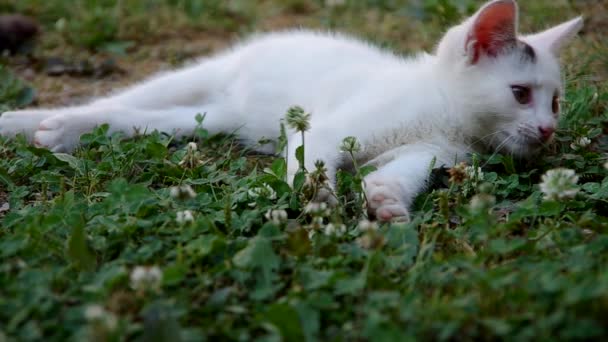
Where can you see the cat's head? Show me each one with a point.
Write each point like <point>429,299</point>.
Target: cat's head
<point>509,85</point>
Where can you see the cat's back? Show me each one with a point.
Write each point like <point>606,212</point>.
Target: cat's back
<point>309,48</point>
<point>270,72</point>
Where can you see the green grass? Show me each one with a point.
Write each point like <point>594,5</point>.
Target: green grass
<point>483,259</point>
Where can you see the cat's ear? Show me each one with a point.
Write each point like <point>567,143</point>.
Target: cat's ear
<point>555,38</point>
<point>493,29</point>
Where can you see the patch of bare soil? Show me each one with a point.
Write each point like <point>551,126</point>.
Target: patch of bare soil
<point>58,87</point>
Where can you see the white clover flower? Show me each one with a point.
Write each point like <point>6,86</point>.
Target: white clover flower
<point>298,119</point>
<point>312,207</point>
<point>146,278</point>
<point>367,226</point>
<point>474,173</point>
<point>371,241</point>
<point>317,222</point>
<point>559,184</point>
<point>263,191</point>
<point>276,216</point>
<point>350,144</point>
<point>192,158</point>
<point>98,315</point>
<point>94,312</point>
<point>365,241</point>
<point>482,202</point>
<point>184,216</point>
<point>317,209</point>
<point>335,230</point>
<point>192,147</point>
<point>182,192</point>
<point>580,143</point>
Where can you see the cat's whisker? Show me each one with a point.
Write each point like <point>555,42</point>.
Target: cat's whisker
<point>498,149</point>
<point>478,140</point>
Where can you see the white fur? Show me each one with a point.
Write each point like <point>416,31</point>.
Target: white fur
<point>405,111</point>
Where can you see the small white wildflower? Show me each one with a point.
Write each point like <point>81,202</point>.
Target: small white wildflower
<point>94,312</point>
<point>317,222</point>
<point>182,192</point>
<point>317,209</point>
<point>367,226</point>
<point>371,241</point>
<point>312,207</point>
<point>335,230</point>
<point>276,216</point>
<point>298,119</point>
<point>192,158</point>
<point>350,144</point>
<point>559,184</point>
<point>580,143</point>
<point>482,202</point>
<point>474,173</point>
<point>192,147</point>
<point>146,278</point>
<point>606,165</point>
<point>98,315</point>
<point>263,191</point>
<point>184,216</point>
<point>365,241</point>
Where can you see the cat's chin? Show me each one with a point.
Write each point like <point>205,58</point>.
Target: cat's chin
<point>523,149</point>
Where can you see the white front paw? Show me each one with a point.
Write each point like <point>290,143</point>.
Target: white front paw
<point>386,199</point>
<point>61,133</point>
<point>26,122</point>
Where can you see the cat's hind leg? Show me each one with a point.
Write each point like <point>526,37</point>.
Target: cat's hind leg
<point>61,133</point>
<point>26,122</point>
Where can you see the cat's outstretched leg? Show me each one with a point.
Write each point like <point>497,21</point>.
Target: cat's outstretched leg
<point>28,121</point>
<point>175,96</point>
<point>391,189</point>
<point>61,132</point>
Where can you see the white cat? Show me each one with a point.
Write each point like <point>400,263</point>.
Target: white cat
<point>484,88</point>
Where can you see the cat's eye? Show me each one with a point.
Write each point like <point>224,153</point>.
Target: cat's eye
<point>522,94</point>
<point>555,104</point>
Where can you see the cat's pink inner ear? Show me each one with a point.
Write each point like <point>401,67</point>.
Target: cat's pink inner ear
<point>494,30</point>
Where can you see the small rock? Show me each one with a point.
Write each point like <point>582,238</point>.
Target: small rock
<point>56,66</point>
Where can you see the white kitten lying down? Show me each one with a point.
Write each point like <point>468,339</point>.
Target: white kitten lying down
<point>483,88</point>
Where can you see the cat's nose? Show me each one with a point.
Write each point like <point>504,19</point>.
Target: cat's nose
<point>546,132</point>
